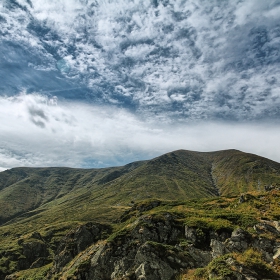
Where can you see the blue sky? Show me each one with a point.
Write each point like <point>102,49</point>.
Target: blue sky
<point>98,83</point>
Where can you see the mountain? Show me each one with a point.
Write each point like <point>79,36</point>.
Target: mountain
<point>45,210</point>
<point>176,175</point>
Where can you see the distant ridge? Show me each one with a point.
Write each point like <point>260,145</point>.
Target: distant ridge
<point>176,175</point>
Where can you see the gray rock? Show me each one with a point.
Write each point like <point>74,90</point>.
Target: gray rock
<point>239,241</point>
<point>276,253</point>
<point>151,251</point>
<point>190,234</point>
<point>151,266</point>
<point>265,227</point>
<point>199,258</point>
<point>277,225</point>
<point>75,242</point>
<point>218,248</point>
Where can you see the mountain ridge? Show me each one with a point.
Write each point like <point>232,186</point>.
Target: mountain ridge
<point>181,173</point>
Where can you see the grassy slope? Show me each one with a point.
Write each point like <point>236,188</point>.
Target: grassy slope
<point>57,199</point>
<point>77,194</point>
<point>236,172</point>
<point>26,189</point>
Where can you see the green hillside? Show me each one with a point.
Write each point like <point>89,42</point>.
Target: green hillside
<point>176,175</point>
<point>236,172</point>
<point>191,185</point>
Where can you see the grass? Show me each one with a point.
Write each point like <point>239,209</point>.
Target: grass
<point>32,192</point>
<point>254,260</point>
<point>209,223</point>
<point>237,172</point>
<point>220,268</point>
<point>34,274</point>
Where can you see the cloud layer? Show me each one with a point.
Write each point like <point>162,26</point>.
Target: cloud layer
<point>38,131</point>
<point>174,60</point>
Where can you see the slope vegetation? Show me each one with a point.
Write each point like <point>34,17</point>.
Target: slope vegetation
<point>176,175</point>
<point>44,210</point>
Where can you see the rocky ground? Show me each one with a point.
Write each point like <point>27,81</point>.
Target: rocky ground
<point>153,246</point>
<point>150,250</point>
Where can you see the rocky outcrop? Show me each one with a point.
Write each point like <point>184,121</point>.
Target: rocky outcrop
<point>144,250</point>
<point>137,209</point>
<point>271,187</point>
<point>32,252</point>
<point>76,241</point>
<point>157,247</point>
<point>238,242</point>
<point>35,254</point>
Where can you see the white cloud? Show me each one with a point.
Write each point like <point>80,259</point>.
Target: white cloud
<point>35,131</point>
<point>54,11</point>
<point>154,48</point>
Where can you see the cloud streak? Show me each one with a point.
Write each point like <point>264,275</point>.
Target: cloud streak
<point>79,135</point>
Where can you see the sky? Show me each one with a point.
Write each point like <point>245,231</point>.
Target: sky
<point>87,83</point>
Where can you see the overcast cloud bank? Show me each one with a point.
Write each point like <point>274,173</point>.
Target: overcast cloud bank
<point>39,131</point>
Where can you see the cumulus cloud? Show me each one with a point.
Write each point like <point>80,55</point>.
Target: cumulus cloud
<point>189,59</point>
<point>36,131</point>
